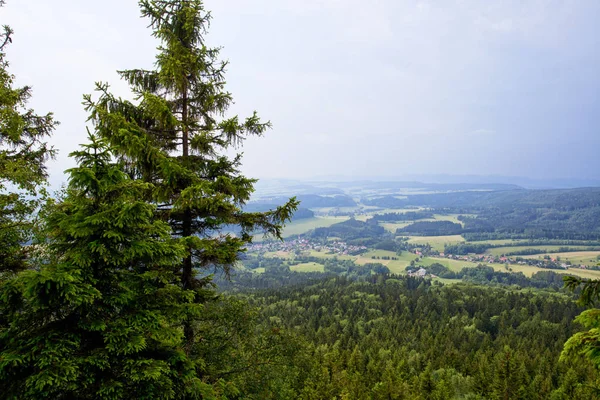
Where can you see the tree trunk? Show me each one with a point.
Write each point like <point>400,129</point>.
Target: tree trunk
<point>187,277</point>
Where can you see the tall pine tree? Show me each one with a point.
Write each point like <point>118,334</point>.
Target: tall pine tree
<point>176,136</point>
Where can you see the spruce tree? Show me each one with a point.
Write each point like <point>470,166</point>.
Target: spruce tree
<point>587,343</point>
<point>23,152</point>
<point>101,318</point>
<point>176,136</point>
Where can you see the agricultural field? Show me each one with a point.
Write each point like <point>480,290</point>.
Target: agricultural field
<point>437,242</point>
<point>503,242</point>
<point>326,255</point>
<point>498,251</point>
<point>450,217</point>
<point>395,266</point>
<point>308,267</point>
<point>527,270</point>
<point>452,265</point>
<point>304,225</point>
<point>392,227</point>
<point>399,266</point>
<point>588,258</point>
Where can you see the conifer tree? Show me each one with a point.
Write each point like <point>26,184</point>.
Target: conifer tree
<point>586,343</point>
<point>101,319</point>
<point>176,135</point>
<point>23,152</point>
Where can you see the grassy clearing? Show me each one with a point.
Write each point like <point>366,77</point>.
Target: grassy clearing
<point>395,266</point>
<point>450,217</point>
<point>393,226</point>
<point>308,267</point>
<point>260,270</point>
<point>437,242</point>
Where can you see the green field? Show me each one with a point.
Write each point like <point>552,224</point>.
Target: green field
<point>505,242</point>
<point>308,267</point>
<point>576,257</point>
<point>437,242</point>
<point>452,265</point>
<point>395,266</point>
<point>304,225</point>
<point>527,270</point>
<point>399,266</point>
<point>324,255</point>
<point>498,251</point>
<point>393,226</point>
<point>449,217</point>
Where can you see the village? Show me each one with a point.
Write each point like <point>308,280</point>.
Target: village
<point>303,245</point>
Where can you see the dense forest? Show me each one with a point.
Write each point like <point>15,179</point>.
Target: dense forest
<point>568,214</point>
<point>405,216</point>
<point>404,338</point>
<point>431,228</point>
<point>353,231</point>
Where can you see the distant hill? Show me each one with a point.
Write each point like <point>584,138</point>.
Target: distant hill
<point>552,214</point>
<point>301,213</point>
<point>353,231</point>
<point>315,201</point>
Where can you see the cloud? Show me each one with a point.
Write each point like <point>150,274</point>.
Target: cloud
<point>354,87</point>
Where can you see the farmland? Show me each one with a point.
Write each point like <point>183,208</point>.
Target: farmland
<point>498,251</point>
<point>437,243</point>
<point>307,267</point>
<point>588,258</point>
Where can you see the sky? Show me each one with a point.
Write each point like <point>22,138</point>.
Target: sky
<point>384,88</point>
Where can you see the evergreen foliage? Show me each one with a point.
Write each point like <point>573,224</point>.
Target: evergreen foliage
<point>119,302</point>
<point>585,344</point>
<point>405,338</point>
<point>102,318</point>
<point>175,137</point>
<point>119,305</point>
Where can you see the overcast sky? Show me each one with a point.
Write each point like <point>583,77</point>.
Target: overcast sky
<point>354,88</point>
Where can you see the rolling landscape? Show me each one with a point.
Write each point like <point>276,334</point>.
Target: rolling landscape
<point>450,234</point>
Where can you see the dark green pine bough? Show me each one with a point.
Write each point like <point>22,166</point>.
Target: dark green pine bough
<point>118,306</point>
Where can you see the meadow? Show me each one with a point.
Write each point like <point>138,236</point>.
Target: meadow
<point>588,258</point>
<point>308,267</point>
<point>437,243</point>
<point>304,225</point>
<point>498,251</point>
